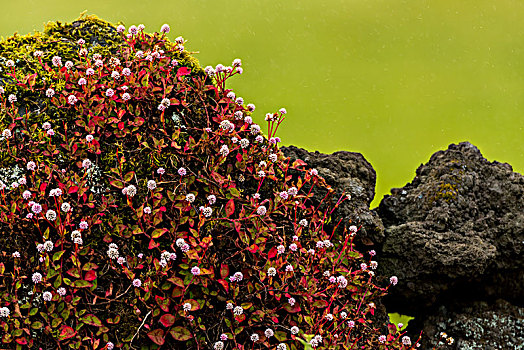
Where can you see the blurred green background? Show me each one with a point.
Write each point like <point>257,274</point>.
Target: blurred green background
<point>396,80</point>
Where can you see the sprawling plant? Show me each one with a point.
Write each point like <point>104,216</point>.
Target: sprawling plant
<point>141,207</point>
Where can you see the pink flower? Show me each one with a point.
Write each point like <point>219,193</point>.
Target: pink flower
<point>382,338</point>
<point>372,253</point>
<point>83,225</point>
<point>351,324</point>
<point>133,30</point>
<point>36,208</point>
<point>31,165</point>
<point>137,283</point>
<point>82,81</point>
<point>57,61</point>
<point>289,268</point>
<point>12,98</point>
<point>282,111</point>
<point>161,171</point>
<point>209,70</point>
<point>261,210</point>
<point>37,277</point>
<point>47,296</point>
<point>115,74</point>
<point>10,63</point>
<point>223,336</point>
<point>165,28</point>
<point>72,99</point>
<point>50,132</point>
<point>61,291</point>
<point>393,280</point>
<point>126,96</point>
<point>291,301</point>
<point>90,71</point>
<point>406,340</point>
<point>147,210</point>
<point>50,92</point>
<point>182,171</point>
<point>237,62</point>
<point>126,72</point>
<point>86,164</point>
<point>26,194</point>
<point>110,92</point>
<point>120,29</point>
<point>195,270</point>
<point>69,64</point>
<point>293,247</point>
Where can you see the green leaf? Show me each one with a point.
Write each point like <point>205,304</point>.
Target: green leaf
<point>91,320</point>
<point>37,325</point>
<point>81,284</point>
<point>158,232</point>
<point>157,336</point>
<point>58,255</point>
<point>180,333</point>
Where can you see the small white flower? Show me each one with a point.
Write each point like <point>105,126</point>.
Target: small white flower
<point>48,246</point>
<point>295,330</point>
<point>190,197</point>
<point>271,271</point>
<point>238,310</point>
<point>187,307</point>
<point>269,333</point>
<point>254,337</point>
<point>47,296</point>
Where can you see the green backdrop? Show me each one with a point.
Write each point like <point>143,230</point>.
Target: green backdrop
<point>395,80</point>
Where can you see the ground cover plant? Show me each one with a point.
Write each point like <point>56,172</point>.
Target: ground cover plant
<point>141,207</point>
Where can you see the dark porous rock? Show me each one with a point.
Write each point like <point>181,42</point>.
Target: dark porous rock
<point>456,232</point>
<point>477,325</point>
<point>351,173</point>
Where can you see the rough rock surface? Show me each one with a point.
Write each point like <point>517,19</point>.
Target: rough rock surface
<point>478,326</point>
<point>455,233</point>
<point>352,173</point>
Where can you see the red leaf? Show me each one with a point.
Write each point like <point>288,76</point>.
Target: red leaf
<point>183,71</point>
<point>153,244</point>
<point>181,333</point>
<point>43,186</point>
<point>230,207</point>
<point>72,189</point>
<point>157,336</point>
<point>90,275</point>
<point>272,253</point>
<point>253,248</point>
<point>167,320</point>
<point>224,284</point>
<point>121,113</point>
<point>224,270</point>
<point>292,309</point>
<point>21,341</point>
<point>121,126</point>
